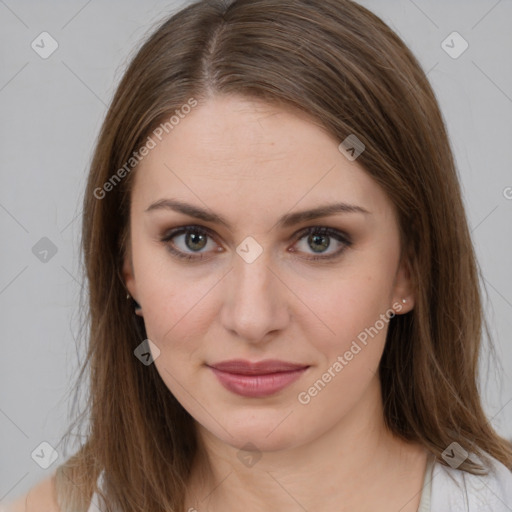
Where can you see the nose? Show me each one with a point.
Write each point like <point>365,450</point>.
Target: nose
<point>255,307</point>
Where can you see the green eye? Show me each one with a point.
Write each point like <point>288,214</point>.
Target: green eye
<point>319,240</point>
<point>195,240</point>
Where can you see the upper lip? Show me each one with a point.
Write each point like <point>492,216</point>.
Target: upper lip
<point>243,367</point>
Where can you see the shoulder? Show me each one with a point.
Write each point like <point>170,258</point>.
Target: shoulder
<point>40,498</point>
<point>460,490</point>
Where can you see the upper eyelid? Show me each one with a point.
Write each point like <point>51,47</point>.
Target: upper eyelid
<point>178,229</point>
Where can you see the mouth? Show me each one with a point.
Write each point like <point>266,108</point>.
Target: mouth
<point>258,379</point>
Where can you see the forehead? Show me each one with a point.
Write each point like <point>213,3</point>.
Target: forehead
<point>246,155</point>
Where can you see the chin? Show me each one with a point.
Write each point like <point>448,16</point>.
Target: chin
<point>267,433</point>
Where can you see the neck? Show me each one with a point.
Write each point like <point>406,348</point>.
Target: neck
<point>357,465</point>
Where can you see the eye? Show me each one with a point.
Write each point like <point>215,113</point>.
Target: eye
<point>319,240</point>
<point>195,239</point>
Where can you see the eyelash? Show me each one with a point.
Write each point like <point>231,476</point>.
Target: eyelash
<point>317,230</point>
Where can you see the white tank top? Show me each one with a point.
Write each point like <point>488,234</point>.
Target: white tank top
<point>96,505</point>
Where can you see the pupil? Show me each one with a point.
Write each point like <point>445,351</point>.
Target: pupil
<point>195,238</point>
<point>315,239</point>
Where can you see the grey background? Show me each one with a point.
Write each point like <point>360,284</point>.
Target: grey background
<point>52,110</point>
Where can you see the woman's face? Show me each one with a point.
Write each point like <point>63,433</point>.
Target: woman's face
<point>256,285</point>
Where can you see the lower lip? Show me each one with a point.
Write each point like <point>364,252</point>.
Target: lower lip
<point>257,386</point>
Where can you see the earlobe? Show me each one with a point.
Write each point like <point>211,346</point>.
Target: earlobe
<point>404,305</point>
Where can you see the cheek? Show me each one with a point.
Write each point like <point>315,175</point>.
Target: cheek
<point>352,305</point>
<point>175,303</point>
<point>358,313</point>
<point>174,314</point>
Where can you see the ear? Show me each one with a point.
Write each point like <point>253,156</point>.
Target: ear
<point>129,278</point>
<point>128,274</point>
<point>403,286</point>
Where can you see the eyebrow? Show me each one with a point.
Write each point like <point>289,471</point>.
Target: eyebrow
<point>285,221</point>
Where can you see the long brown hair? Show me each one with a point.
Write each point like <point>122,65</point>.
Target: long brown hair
<point>342,65</point>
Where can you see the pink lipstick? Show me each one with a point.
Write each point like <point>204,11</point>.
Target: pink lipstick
<point>258,379</point>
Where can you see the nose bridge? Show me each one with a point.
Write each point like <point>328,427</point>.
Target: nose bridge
<point>253,278</point>
<point>255,303</point>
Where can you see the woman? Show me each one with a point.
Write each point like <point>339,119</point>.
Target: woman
<point>274,193</point>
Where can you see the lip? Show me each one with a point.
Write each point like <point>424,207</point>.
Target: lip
<point>257,379</point>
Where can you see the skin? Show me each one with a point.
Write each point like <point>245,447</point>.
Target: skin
<point>252,162</point>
